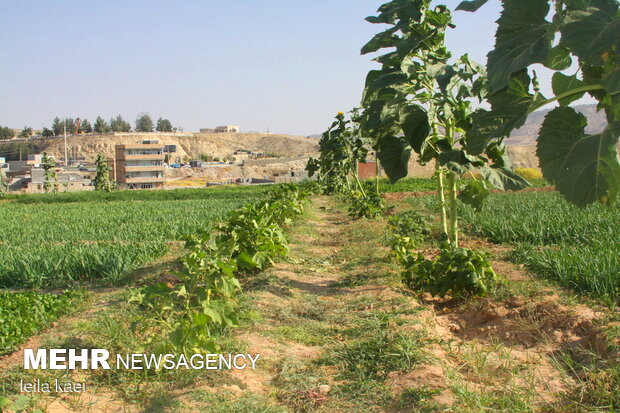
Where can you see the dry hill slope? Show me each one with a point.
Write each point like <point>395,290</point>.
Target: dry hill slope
<point>188,144</point>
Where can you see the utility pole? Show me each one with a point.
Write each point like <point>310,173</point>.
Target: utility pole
<point>66,160</point>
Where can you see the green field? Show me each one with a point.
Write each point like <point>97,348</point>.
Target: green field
<point>577,247</point>
<point>23,314</point>
<point>57,240</point>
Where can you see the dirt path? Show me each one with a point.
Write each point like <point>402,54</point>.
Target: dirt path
<point>337,332</point>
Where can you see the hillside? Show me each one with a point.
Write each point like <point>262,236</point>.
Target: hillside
<point>527,134</point>
<point>188,144</point>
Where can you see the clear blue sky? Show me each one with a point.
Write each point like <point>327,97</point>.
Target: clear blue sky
<point>286,65</point>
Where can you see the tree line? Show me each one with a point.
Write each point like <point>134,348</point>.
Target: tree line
<point>144,123</point>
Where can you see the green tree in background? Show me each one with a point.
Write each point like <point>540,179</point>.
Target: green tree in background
<point>144,123</point>
<point>101,126</point>
<point>26,132</point>
<point>102,178</point>
<point>86,127</point>
<point>71,126</point>
<point>57,126</point>
<point>164,125</point>
<point>51,179</point>
<point>118,124</point>
<point>46,133</point>
<point>6,133</point>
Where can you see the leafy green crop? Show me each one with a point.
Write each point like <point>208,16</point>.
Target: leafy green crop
<point>191,313</point>
<point>459,271</point>
<point>23,314</point>
<point>405,231</point>
<point>577,247</point>
<point>56,242</point>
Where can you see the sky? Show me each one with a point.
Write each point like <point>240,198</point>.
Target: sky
<point>278,65</point>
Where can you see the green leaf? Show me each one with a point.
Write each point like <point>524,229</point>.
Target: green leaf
<point>562,83</point>
<point>510,107</point>
<point>458,160</point>
<point>394,153</point>
<point>559,58</point>
<point>244,260</point>
<point>503,178</point>
<point>591,32</point>
<point>414,121</point>
<point>380,40</point>
<point>471,5</point>
<point>584,168</point>
<point>388,79</point>
<point>523,37</point>
<point>612,83</point>
<point>474,194</point>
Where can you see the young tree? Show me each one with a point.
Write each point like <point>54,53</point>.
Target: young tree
<point>51,179</point>
<point>341,151</point>
<point>144,123</point>
<point>6,133</point>
<point>420,101</point>
<point>26,132</point>
<point>164,125</point>
<point>118,124</point>
<point>102,177</point>
<point>101,126</point>
<point>86,127</point>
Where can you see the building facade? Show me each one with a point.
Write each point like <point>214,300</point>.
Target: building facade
<point>140,166</point>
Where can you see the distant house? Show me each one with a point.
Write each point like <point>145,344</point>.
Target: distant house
<point>227,129</point>
<point>67,181</point>
<point>221,129</point>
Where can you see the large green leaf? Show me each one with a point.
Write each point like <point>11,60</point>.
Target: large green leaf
<point>459,161</point>
<point>386,38</point>
<point>503,178</point>
<point>510,107</point>
<point>394,153</point>
<point>562,83</point>
<point>471,5</point>
<point>584,168</point>
<point>559,58</point>
<point>474,194</point>
<point>414,122</point>
<point>388,79</point>
<point>523,37</point>
<point>591,32</point>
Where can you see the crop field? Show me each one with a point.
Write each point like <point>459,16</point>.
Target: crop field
<point>577,247</point>
<point>54,241</point>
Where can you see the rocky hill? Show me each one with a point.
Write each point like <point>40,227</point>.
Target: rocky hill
<point>192,145</point>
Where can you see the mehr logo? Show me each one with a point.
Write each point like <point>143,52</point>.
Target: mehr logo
<point>93,359</point>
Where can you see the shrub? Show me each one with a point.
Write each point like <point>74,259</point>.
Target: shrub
<point>530,174</point>
<point>460,271</point>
